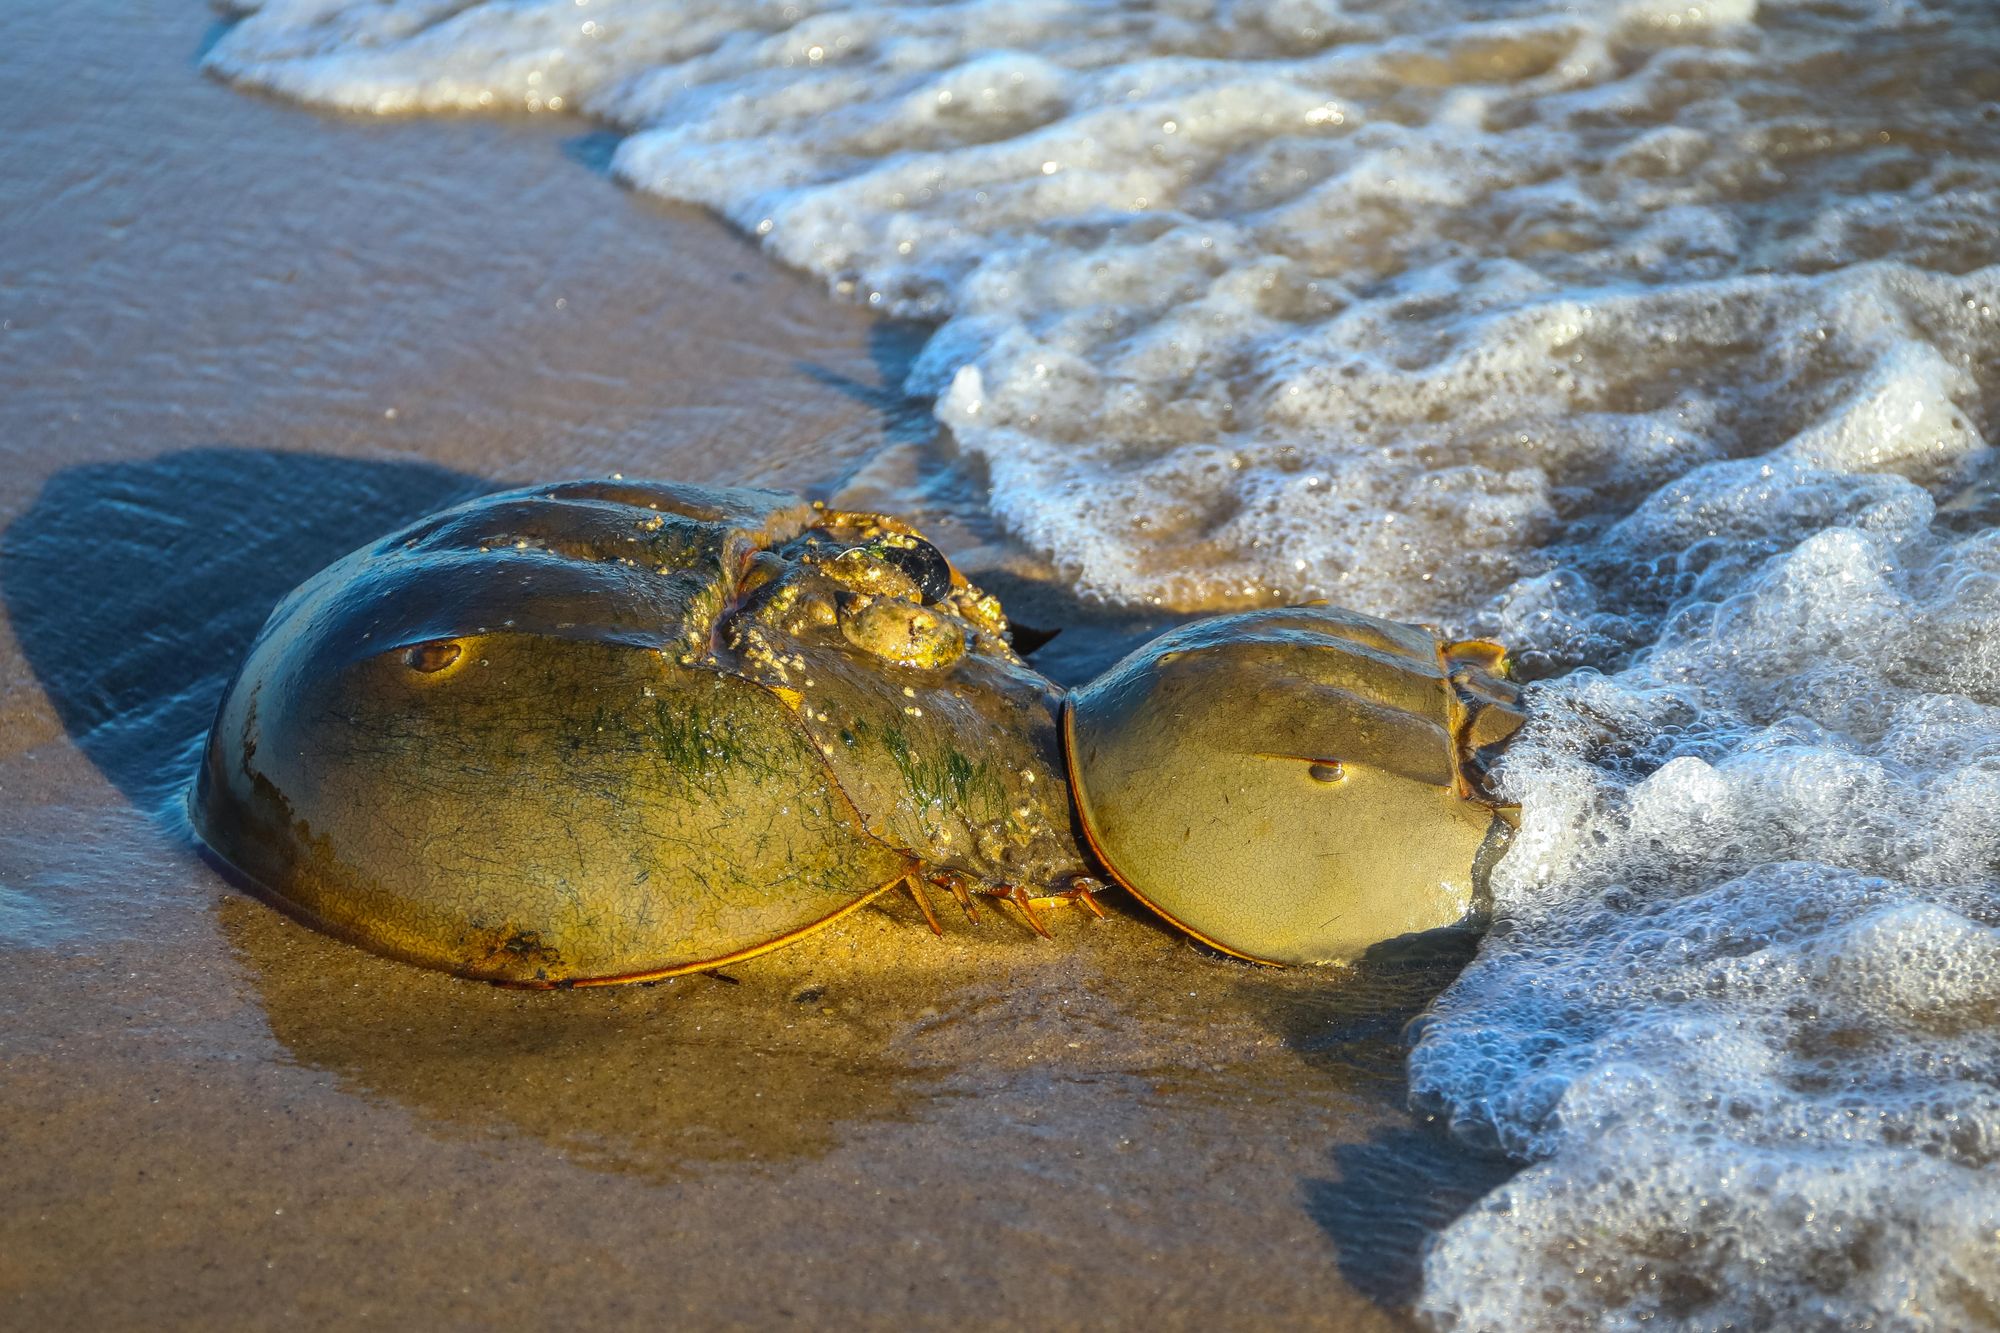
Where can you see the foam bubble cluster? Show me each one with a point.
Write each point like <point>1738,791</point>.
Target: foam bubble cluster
<point>1659,338</point>
<point>1742,999</point>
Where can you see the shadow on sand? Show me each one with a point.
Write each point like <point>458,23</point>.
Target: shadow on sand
<point>1393,1193</point>
<point>135,588</point>
<point>1389,1194</point>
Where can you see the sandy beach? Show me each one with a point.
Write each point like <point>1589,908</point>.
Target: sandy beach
<point>242,338</point>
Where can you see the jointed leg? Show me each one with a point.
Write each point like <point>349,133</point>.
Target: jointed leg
<point>959,886</point>
<point>1083,889</point>
<point>1023,900</point>
<point>913,883</point>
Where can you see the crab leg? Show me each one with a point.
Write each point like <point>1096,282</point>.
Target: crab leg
<point>1021,899</point>
<point>956,884</point>
<point>914,886</point>
<point>1083,889</point>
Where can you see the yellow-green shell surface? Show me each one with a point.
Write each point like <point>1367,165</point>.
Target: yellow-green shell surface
<point>606,730</point>
<point>1296,785</point>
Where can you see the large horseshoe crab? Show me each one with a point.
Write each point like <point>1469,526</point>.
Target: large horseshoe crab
<point>606,731</point>
<point>603,731</point>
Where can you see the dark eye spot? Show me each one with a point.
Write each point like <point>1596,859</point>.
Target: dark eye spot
<point>1330,771</point>
<point>924,563</point>
<point>433,656</point>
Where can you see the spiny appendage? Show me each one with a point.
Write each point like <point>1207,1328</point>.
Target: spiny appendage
<point>963,888</point>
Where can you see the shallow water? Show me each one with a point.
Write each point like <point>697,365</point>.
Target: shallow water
<point>1661,340</point>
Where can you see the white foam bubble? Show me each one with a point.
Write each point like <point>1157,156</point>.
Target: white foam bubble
<point>1647,336</point>
<point>1743,993</point>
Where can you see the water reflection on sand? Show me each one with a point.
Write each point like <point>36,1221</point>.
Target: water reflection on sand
<point>653,1081</point>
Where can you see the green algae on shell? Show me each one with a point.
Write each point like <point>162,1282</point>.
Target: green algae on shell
<point>1295,785</point>
<point>601,731</point>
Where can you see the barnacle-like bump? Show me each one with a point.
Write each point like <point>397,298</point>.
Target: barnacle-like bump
<point>901,632</point>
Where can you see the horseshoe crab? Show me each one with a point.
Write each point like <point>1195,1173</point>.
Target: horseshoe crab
<point>608,731</point>
<point>604,731</point>
<point>1296,785</point>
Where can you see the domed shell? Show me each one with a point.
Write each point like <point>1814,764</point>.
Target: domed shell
<point>607,730</point>
<point>1295,785</point>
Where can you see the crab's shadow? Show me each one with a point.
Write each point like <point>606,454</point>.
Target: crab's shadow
<point>135,588</point>
<point>1387,1196</point>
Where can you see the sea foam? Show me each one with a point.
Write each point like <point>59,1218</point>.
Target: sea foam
<point>1659,338</point>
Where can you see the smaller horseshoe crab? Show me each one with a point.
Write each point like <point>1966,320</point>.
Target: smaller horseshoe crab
<point>1296,785</point>
<point>604,731</point>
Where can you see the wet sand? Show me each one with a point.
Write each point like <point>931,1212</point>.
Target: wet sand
<point>240,339</point>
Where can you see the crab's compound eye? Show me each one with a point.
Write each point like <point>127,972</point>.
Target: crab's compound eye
<point>923,563</point>
<point>432,657</point>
